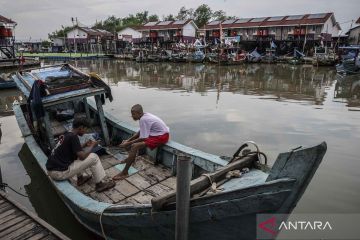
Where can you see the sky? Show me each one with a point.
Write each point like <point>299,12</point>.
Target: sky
<point>37,18</point>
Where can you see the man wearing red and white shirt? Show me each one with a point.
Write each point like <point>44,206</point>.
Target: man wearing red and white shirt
<point>153,133</point>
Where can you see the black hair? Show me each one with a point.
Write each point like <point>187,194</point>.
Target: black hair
<point>80,122</point>
<point>137,108</point>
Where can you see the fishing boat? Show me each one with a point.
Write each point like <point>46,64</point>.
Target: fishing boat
<point>178,56</point>
<point>254,56</point>
<point>197,56</point>
<point>298,58</point>
<point>324,56</point>
<point>270,56</point>
<point>350,62</point>
<point>226,192</point>
<point>6,84</point>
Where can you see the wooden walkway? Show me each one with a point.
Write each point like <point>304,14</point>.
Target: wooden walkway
<point>18,223</point>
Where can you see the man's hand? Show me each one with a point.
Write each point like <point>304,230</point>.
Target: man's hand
<point>124,143</point>
<point>91,143</point>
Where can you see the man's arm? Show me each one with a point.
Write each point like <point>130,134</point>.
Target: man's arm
<point>83,154</point>
<point>133,137</point>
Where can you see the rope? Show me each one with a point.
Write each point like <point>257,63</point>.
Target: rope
<point>4,185</point>
<point>101,225</point>
<point>208,176</point>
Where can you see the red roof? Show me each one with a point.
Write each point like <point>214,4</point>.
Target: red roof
<point>161,25</point>
<point>6,20</point>
<point>293,20</point>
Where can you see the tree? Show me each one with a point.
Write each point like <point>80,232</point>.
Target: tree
<point>60,33</point>
<point>219,15</point>
<point>142,17</point>
<point>202,15</point>
<point>169,17</point>
<point>185,14</point>
<point>153,18</point>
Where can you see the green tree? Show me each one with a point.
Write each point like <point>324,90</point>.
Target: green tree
<point>185,14</point>
<point>169,17</point>
<point>219,15</point>
<point>142,17</point>
<point>202,15</point>
<point>153,18</point>
<point>60,33</point>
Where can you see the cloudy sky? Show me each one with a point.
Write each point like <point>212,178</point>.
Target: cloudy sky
<point>37,18</point>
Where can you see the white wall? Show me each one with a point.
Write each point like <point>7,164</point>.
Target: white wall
<point>129,31</point>
<point>58,42</point>
<point>189,30</point>
<point>354,36</point>
<point>330,28</point>
<point>78,34</point>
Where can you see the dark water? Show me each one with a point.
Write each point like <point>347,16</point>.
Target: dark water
<point>217,108</point>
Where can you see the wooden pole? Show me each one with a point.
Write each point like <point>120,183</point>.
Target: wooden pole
<point>102,119</point>
<point>182,197</point>
<point>1,187</point>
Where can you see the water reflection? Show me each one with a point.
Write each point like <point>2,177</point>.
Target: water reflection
<point>348,88</point>
<point>7,97</point>
<point>281,82</point>
<point>47,203</point>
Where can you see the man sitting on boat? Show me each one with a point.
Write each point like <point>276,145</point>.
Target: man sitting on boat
<point>153,133</point>
<point>69,158</point>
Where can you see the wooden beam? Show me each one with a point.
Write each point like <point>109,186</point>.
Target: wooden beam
<point>202,182</point>
<point>102,119</point>
<point>49,133</point>
<point>87,111</point>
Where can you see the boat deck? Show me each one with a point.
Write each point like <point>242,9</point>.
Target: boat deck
<point>145,181</point>
<point>16,222</point>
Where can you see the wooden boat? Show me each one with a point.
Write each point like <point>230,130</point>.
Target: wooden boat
<point>178,56</point>
<point>198,56</point>
<point>143,205</point>
<point>324,56</point>
<point>350,63</point>
<point>7,84</point>
<point>298,58</point>
<point>270,56</point>
<point>253,57</point>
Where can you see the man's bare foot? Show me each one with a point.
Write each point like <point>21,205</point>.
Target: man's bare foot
<point>120,176</point>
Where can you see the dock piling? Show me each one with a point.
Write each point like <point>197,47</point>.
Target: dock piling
<point>182,197</point>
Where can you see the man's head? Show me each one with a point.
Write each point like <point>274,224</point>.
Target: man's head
<point>79,126</point>
<point>137,112</point>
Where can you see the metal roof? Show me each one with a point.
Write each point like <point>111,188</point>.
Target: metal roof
<point>291,20</point>
<point>162,26</point>
<point>6,20</point>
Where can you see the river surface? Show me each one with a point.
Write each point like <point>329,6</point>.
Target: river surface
<point>215,109</point>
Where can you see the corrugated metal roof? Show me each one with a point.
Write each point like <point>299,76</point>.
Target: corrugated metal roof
<point>6,20</point>
<point>291,20</point>
<point>171,25</point>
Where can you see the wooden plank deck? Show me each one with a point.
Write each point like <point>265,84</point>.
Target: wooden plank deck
<point>16,222</point>
<point>147,181</point>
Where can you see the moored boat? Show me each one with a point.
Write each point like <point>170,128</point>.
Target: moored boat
<point>7,84</point>
<point>143,205</point>
<point>324,56</point>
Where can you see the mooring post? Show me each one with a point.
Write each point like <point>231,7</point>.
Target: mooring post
<point>183,179</point>
<point>1,182</point>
